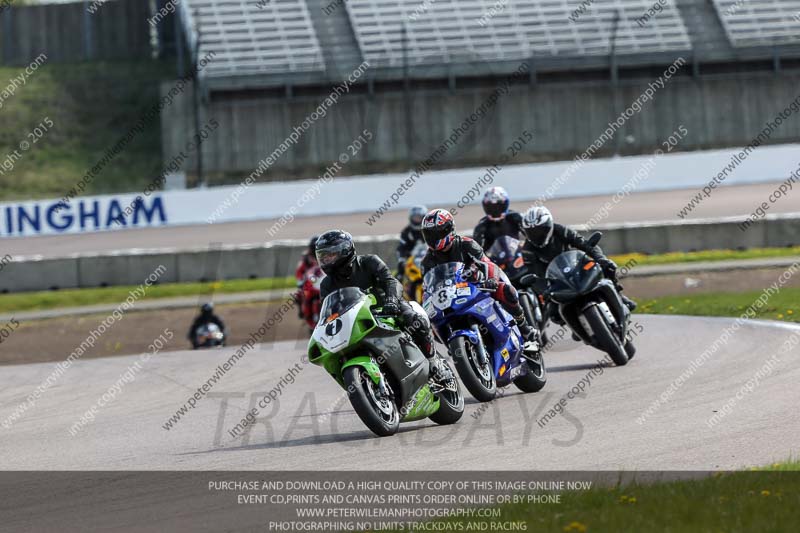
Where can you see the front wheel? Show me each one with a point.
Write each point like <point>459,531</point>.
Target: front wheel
<point>604,337</point>
<point>529,304</point>
<point>378,412</point>
<point>478,379</point>
<point>451,403</point>
<point>536,378</point>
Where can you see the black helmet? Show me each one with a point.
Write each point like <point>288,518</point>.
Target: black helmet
<point>312,244</point>
<point>495,203</point>
<point>207,308</point>
<point>439,230</point>
<point>335,250</point>
<point>415,216</point>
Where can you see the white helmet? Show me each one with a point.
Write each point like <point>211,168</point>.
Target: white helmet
<point>537,223</point>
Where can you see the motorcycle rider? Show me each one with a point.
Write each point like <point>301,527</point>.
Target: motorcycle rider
<point>445,246</point>
<point>409,237</point>
<point>307,261</point>
<point>499,220</point>
<point>336,254</point>
<point>544,240</point>
<point>206,316</point>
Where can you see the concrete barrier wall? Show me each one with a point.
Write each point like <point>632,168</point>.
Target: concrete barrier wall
<point>564,119</point>
<point>279,259</point>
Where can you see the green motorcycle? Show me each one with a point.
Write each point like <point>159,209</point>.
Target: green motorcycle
<point>384,373</point>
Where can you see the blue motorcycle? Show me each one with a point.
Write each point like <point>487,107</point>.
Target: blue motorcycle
<point>482,338</point>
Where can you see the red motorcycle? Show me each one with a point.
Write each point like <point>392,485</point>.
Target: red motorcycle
<point>311,302</point>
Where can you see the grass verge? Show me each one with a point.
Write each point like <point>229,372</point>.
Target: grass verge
<point>707,255</point>
<point>30,301</point>
<point>765,500</point>
<point>784,305</point>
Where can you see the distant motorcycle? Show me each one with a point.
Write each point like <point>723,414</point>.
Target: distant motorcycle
<point>208,336</point>
<point>506,252</point>
<point>412,277</point>
<point>311,302</point>
<point>588,302</point>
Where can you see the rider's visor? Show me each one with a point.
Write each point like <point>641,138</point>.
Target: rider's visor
<point>329,255</point>
<point>433,236</point>
<point>538,235</point>
<point>496,211</point>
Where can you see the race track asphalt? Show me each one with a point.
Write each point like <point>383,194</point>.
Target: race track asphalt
<point>309,427</point>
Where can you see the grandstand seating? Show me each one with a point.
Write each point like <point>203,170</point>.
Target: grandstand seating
<point>760,22</point>
<point>275,42</point>
<point>247,39</point>
<point>453,30</point>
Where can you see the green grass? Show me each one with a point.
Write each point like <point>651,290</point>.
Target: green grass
<point>31,301</point>
<point>706,255</point>
<point>766,500</point>
<point>91,106</point>
<point>784,305</point>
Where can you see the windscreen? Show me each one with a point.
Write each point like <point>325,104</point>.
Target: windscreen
<point>340,301</point>
<point>438,276</point>
<point>503,250</point>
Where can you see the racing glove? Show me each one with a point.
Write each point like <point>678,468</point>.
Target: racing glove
<point>490,284</point>
<point>609,268</point>
<point>391,307</point>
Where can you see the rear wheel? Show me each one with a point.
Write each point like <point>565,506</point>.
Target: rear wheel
<point>477,378</point>
<point>605,338</point>
<point>536,378</point>
<point>378,411</point>
<point>451,403</point>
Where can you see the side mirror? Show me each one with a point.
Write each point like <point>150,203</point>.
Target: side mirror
<point>594,239</point>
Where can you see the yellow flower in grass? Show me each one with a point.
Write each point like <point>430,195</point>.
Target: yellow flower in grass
<point>216,285</point>
<point>575,526</point>
<point>765,492</point>
<point>789,312</point>
<point>780,315</point>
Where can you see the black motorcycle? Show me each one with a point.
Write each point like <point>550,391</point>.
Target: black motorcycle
<point>588,302</point>
<point>506,253</point>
